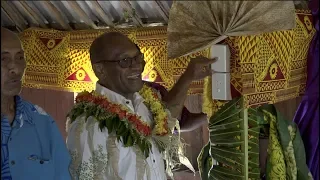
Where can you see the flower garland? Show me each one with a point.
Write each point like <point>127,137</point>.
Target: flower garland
<point>160,116</point>
<point>118,119</point>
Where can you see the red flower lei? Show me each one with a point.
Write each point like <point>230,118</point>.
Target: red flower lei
<point>142,127</point>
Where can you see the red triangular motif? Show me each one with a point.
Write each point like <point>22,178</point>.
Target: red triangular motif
<point>146,78</point>
<point>276,71</point>
<point>306,22</point>
<point>52,44</point>
<point>80,75</point>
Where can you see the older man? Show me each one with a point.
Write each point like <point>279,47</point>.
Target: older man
<point>31,144</point>
<point>122,130</point>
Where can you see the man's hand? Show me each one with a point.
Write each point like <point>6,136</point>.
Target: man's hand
<point>199,68</point>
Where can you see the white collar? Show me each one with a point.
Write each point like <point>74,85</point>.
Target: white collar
<point>117,98</point>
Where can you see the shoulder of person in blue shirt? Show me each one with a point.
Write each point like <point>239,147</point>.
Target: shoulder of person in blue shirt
<point>35,146</point>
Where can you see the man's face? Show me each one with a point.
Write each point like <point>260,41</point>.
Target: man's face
<point>13,65</point>
<point>122,78</point>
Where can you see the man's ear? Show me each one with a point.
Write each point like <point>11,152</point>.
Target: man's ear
<point>98,70</point>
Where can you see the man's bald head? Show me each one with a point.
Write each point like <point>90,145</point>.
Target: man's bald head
<point>5,30</point>
<point>13,63</point>
<point>7,35</point>
<point>117,62</point>
<point>109,46</point>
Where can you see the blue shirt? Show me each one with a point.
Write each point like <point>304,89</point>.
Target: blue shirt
<point>32,148</point>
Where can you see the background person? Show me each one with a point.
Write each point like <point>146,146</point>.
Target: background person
<point>31,144</point>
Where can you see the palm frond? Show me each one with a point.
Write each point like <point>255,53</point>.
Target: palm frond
<point>234,144</point>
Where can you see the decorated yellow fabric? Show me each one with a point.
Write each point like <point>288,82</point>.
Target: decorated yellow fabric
<point>275,154</point>
<point>266,68</point>
<point>60,60</point>
<point>195,25</point>
<point>286,153</point>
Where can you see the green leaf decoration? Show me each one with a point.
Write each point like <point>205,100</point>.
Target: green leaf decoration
<point>120,128</point>
<point>204,162</point>
<point>286,157</point>
<point>232,152</point>
<point>125,126</point>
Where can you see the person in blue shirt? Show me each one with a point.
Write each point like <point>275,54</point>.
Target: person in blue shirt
<point>32,147</point>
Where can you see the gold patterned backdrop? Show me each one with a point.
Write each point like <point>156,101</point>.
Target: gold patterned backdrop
<point>266,68</point>
<point>60,60</point>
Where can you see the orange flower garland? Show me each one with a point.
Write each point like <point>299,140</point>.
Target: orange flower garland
<point>128,127</point>
<point>152,100</point>
<point>117,109</point>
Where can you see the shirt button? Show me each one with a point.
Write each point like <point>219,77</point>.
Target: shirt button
<point>154,161</point>
<point>10,139</point>
<point>41,162</point>
<point>13,163</point>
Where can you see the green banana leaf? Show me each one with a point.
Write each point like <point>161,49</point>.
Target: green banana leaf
<point>233,150</point>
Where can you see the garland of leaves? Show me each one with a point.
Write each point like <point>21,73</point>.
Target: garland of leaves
<point>128,127</point>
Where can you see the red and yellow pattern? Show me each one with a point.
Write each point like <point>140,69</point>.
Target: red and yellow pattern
<point>266,68</point>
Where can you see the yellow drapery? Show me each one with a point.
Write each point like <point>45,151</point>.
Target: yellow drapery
<point>60,60</point>
<point>265,68</point>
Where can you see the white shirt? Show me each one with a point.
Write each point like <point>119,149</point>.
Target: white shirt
<point>98,155</point>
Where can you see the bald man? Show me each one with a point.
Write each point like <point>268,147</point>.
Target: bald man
<point>176,97</point>
<point>32,147</point>
<point>103,155</point>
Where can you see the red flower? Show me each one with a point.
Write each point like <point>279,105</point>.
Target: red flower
<point>147,131</point>
<point>98,100</point>
<point>122,114</point>
<point>155,95</point>
<point>133,118</point>
<point>86,98</point>
<point>105,105</point>
<point>115,109</point>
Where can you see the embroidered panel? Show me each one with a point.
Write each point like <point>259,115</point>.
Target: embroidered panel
<point>266,68</point>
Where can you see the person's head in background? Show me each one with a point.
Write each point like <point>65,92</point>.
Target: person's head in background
<point>117,63</point>
<point>13,64</point>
